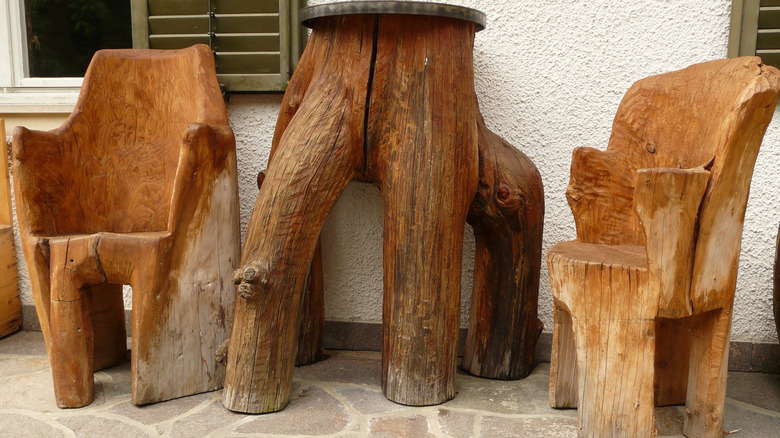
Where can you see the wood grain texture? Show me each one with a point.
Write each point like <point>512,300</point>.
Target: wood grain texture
<point>319,152</point>
<point>507,215</point>
<point>422,152</point>
<point>672,187</point>
<point>10,305</point>
<point>137,187</point>
<point>389,100</point>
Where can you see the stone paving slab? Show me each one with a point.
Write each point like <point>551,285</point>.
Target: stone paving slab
<point>339,397</point>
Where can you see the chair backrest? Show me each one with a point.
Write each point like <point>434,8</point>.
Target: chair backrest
<point>125,135</point>
<point>712,114</point>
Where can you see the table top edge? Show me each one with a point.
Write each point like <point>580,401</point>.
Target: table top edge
<point>307,15</point>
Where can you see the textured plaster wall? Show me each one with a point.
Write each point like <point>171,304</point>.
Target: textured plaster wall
<point>549,76</point>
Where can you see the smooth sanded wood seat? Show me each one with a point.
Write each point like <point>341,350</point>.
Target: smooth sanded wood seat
<point>137,187</point>
<point>644,296</point>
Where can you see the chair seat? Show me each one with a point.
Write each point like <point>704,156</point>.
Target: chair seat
<point>630,256</point>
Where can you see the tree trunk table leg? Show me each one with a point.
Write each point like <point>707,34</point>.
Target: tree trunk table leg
<point>422,149</point>
<point>312,318</point>
<point>707,375</point>
<point>320,151</point>
<point>507,215</point>
<point>312,323</point>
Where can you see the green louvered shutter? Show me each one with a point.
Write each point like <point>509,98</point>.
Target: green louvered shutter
<point>256,42</point>
<point>755,30</point>
<point>768,37</point>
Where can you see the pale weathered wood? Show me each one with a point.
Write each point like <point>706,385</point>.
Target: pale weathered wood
<point>613,367</point>
<point>10,305</point>
<point>137,187</point>
<point>672,186</point>
<point>562,389</point>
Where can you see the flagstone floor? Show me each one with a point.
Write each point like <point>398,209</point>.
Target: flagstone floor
<point>339,397</point>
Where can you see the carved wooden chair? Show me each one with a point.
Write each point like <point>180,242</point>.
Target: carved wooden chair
<point>643,297</point>
<point>137,187</point>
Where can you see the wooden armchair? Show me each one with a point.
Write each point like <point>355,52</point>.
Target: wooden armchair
<point>137,187</point>
<point>644,296</point>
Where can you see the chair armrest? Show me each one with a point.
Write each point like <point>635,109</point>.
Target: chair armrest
<point>667,204</point>
<point>207,151</point>
<point>600,195</point>
<point>39,178</point>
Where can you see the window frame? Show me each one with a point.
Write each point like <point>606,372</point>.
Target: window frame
<point>22,94</point>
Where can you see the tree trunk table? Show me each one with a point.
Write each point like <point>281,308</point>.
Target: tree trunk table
<point>384,93</point>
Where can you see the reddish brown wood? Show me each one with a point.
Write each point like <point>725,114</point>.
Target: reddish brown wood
<point>659,222</point>
<point>507,215</point>
<point>389,99</point>
<point>313,309</point>
<point>422,152</point>
<point>312,325</point>
<point>137,187</point>
<point>318,153</point>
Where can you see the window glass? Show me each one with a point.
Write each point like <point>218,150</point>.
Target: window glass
<point>62,35</point>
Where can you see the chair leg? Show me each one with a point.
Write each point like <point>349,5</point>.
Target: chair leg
<point>107,312</point>
<point>707,375</point>
<point>71,347</point>
<point>563,362</point>
<point>73,264</point>
<point>615,359</point>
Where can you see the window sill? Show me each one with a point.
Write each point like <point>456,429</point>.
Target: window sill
<point>40,100</point>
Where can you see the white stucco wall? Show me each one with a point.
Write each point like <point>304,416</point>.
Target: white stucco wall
<point>549,76</point>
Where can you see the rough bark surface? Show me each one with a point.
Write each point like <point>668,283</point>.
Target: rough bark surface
<point>507,215</point>
<point>661,212</point>
<point>319,152</point>
<point>138,187</point>
<point>388,99</point>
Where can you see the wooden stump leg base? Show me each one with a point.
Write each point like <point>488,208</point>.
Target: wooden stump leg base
<point>71,354</point>
<point>507,214</point>
<point>615,378</point>
<point>707,375</point>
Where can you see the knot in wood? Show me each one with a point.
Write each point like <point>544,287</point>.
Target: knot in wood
<point>238,274</point>
<point>250,274</point>
<point>649,147</point>
<point>508,198</point>
<point>247,291</point>
<point>503,193</point>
